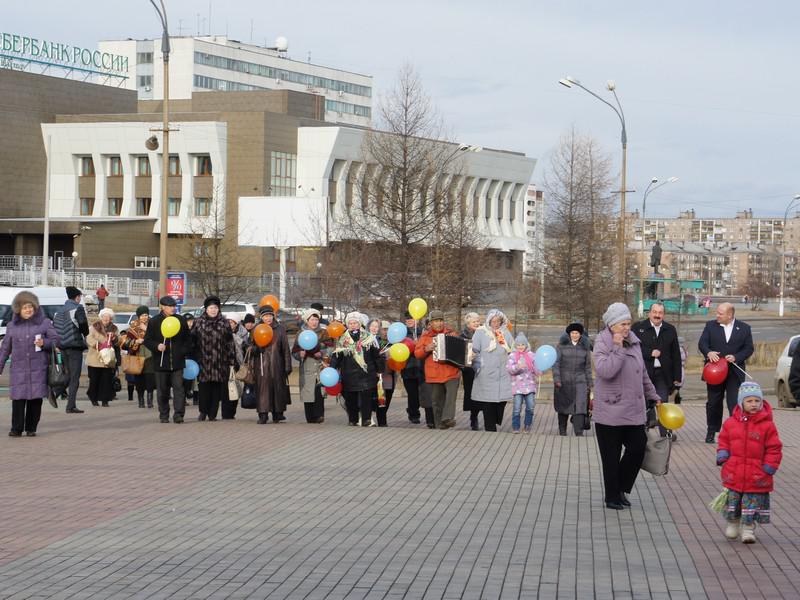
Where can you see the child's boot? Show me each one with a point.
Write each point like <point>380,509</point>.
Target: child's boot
<point>732,530</point>
<point>749,534</point>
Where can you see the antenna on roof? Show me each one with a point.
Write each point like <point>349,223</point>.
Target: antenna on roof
<point>251,31</point>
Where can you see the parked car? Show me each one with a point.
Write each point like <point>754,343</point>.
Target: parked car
<point>123,320</point>
<point>785,398</point>
<point>50,298</point>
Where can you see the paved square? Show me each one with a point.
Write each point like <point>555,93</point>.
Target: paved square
<point>113,504</point>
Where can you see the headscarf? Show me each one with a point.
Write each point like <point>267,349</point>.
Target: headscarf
<point>495,337</point>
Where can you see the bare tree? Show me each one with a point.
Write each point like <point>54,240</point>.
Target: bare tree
<point>220,267</point>
<point>757,290</point>
<point>580,248</point>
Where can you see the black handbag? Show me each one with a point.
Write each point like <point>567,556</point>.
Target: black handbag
<point>57,373</point>
<point>587,421</point>
<point>117,384</point>
<point>249,397</point>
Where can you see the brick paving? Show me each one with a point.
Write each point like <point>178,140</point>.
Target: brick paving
<point>113,504</point>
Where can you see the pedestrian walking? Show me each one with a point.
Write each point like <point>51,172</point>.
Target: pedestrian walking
<point>443,378</point>
<point>521,366</point>
<point>72,327</point>
<point>29,339</point>
<point>214,348</point>
<point>725,338</point>
<point>101,359</point>
<point>750,452</point>
<point>190,388</point>
<point>102,294</point>
<point>491,344</point>
<point>273,365</point>
<point>235,387</point>
<point>412,373</point>
<point>132,341</point>
<point>472,321</point>
<point>311,362</point>
<point>572,379</point>
<point>622,389</point>
<point>169,356</point>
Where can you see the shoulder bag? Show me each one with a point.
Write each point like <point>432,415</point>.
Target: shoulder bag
<point>245,372</point>
<point>656,452</point>
<point>132,364</point>
<point>57,373</point>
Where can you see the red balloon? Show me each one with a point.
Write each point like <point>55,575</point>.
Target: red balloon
<point>262,335</point>
<point>395,366</point>
<point>334,390</point>
<point>411,344</point>
<point>715,373</point>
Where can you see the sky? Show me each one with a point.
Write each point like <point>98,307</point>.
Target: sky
<point>710,90</point>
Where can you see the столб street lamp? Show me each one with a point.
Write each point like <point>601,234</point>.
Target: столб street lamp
<point>74,260</point>
<point>794,202</point>
<point>651,187</point>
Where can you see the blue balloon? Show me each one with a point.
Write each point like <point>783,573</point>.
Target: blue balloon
<point>396,333</point>
<point>545,357</point>
<point>329,377</point>
<point>191,370</point>
<point>307,340</point>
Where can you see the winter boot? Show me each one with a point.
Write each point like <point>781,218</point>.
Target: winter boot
<point>149,399</point>
<point>732,530</point>
<point>562,424</point>
<point>141,400</point>
<point>749,534</point>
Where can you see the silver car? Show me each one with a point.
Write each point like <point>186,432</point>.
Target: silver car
<point>785,398</point>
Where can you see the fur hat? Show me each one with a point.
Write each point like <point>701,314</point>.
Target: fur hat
<point>23,298</point>
<point>142,310</point>
<point>616,313</point>
<point>73,292</point>
<point>575,327</point>
<point>211,300</point>
<point>747,389</point>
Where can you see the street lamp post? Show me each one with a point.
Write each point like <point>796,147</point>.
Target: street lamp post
<point>162,249</point>
<point>74,260</point>
<point>794,202</point>
<point>611,86</point>
<point>651,187</point>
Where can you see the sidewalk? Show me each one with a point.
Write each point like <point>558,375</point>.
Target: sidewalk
<point>112,504</point>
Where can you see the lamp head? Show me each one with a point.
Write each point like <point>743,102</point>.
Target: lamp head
<point>74,254</point>
<point>654,180</point>
<point>672,180</point>
<point>797,196</point>
<point>565,82</point>
<point>151,143</point>
<point>611,85</point>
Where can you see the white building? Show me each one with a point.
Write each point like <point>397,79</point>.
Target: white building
<point>534,232</point>
<point>216,63</point>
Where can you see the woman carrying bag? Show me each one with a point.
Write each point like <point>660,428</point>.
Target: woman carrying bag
<point>29,339</point>
<point>132,341</point>
<point>102,358</point>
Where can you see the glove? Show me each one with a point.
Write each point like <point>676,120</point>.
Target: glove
<point>722,456</point>
<point>769,469</point>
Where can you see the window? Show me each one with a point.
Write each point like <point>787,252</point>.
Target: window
<point>143,206</point>
<point>87,166</point>
<point>283,171</point>
<point>202,207</point>
<point>200,249</point>
<point>145,81</point>
<point>114,167</point>
<point>204,165</point>
<point>144,57</point>
<point>114,206</point>
<point>509,261</point>
<point>174,207</point>
<point>175,166</point>
<point>143,166</point>
<point>87,205</point>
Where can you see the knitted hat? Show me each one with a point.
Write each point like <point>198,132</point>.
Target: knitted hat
<point>749,388</point>
<point>575,327</point>
<point>142,310</point>
<point>616,313</point>
<point>266,310</point>
<point>310,312</point>
<point>248,318</point>
<point>73,292</point>
<point>521,340</point>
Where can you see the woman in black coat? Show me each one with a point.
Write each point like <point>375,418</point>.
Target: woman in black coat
<point>213,343</point>
<point>572,379</point>
<point>471,322</point>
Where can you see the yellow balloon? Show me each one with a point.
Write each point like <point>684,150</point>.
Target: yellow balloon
<point>170,327</point>
<point>671,416</point>
<point>399,352</point>
<point>418,308</point>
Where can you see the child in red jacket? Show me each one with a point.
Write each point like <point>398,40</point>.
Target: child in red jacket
<point>750,454</point>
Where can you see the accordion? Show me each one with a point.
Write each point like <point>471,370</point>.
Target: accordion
<point>452,350</point>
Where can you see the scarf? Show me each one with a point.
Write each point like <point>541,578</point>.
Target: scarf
<point>528,360</point>
<point>355,349</point>
<point>495,337</point>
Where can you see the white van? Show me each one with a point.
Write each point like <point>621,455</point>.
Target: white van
<point>51,300</point>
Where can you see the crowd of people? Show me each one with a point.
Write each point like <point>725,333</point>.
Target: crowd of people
<point>615,381</point>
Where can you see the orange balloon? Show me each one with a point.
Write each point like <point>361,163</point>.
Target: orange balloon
<point>270,300</point>
<point>394,365</point>
<point>262,335</point>
<point>335,329</point>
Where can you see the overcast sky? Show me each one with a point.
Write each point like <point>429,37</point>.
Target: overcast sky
<point>710,90</point>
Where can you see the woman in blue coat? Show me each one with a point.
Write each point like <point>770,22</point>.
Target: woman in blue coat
<point>29,339</point>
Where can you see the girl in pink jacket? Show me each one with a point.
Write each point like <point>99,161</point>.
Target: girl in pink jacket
<point>521,366</point>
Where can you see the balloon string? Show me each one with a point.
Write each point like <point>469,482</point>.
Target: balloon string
<point>746,374</point>
<point>162,352</point>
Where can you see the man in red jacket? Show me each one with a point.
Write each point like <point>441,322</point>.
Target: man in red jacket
<point>442,377</point>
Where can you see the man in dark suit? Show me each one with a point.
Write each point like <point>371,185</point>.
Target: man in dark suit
<point>725,338</point>
<point>660,350</point>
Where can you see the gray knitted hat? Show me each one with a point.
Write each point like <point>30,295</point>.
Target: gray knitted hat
<point>616,313</point>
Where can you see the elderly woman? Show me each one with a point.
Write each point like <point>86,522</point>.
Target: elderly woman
<point>471,323</point>
<point>622,389</point>
<point>235,388</point>
<point>572,379</point>
<point>103,334</point>
<point>384,387</point>
<point>213,343</point>
<point>492,343</point>
<point>272,365</point>
<point>132,341</point>
<point>29,338</point>
<point>310,366</point>
<point>358,359</point>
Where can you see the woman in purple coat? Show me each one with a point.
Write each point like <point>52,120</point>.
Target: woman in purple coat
<point>29,338</point>
<point>621,390</point>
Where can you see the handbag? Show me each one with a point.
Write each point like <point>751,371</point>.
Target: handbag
<point>245,371</point>
<point>234,387</point>
<point>656,452</point>
<point>132,364</point>
<point>117,384</point>
<point>249,398</point>
<point>57,373</point>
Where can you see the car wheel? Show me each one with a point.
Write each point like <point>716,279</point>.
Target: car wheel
<point>785,399</point>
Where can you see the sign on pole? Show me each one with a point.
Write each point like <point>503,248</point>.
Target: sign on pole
<point>176,286</point>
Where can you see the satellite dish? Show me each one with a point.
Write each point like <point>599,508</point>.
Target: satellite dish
<point>282,44</point>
